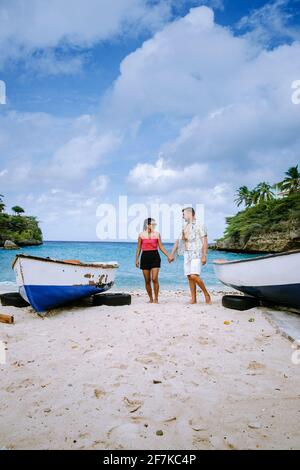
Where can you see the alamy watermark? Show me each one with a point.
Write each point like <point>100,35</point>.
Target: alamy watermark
<point>2,92</point>
<point>2,353</point>
<point>296,93</point>
<point>125,221</point>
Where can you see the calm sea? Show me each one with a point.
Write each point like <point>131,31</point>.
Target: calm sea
<point>128,277</point>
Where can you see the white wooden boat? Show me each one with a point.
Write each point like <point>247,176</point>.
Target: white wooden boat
<point>47,283</point>
<point>274,278</point>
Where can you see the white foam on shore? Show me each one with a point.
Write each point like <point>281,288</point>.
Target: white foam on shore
<point>7,286</point>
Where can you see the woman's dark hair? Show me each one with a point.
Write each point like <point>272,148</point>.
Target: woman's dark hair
<point>147,222</point>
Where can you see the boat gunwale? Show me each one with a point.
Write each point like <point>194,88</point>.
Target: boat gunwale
<point>256,258</point>
<point>81,264</point>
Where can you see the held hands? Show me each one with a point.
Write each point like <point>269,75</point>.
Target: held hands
<point>170,258</point>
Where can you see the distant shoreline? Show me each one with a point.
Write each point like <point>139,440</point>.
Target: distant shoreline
<point>96,241</point>
<point>211,246</point>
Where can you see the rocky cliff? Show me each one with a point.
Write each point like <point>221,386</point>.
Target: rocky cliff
<point>21,230</point>
<point>269,227</point>
<point>274,242</point>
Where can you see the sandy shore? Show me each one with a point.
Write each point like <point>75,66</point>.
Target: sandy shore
<point>145,376</point>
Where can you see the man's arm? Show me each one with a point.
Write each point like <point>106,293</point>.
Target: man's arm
<point>204,249</point>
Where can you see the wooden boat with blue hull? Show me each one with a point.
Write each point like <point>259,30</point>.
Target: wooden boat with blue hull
<point>48,283</point>
<point>273,278</point>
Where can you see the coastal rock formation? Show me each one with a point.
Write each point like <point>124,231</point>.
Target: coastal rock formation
<point>275,242</point>
<point>265,226</point>
<point>19,231</point>
<point>10,245</point>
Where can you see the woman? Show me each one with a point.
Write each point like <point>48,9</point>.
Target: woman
<point>148,242</point>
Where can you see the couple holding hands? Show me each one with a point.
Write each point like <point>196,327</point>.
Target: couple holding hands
<point>192,244</point>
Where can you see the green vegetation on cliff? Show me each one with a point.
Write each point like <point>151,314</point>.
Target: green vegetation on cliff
<point>22,230</point>
<point>269,222</point>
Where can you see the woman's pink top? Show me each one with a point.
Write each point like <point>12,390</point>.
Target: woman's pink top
<point>149,244</point>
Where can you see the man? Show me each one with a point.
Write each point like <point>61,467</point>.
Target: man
<point>192,243</point>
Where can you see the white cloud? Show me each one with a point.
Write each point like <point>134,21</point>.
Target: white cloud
<point>223,117</point>
<point>270,23</point>
<point>99,184</point>
<point>82,153</point>
<point>185,69</point>
<point>56,150</point>
<point>55,172</point>
<point>160,178</point>
<point>48,63</point>
<point>3,172</point>
<point>27,28</point>
<point>234,96</point>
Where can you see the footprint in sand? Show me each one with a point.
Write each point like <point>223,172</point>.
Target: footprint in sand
<point>99,393</point>
<point>205,341</point>
<point>132,405</point>
<point>119,366</point>
<point>202,442</point>
<point>151,358</point>
<point>15,386</point>
<point>125,435</point>
<point>254,365</point>
<point>263,340</point>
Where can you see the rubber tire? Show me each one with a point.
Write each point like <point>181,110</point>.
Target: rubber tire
<point>239,302</point>
<point>13,299</point>
<point>112,299</point>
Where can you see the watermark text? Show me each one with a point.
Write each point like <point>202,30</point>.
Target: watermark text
<point>125,221</point>
<point>296,93</point>
<point>2,92</point>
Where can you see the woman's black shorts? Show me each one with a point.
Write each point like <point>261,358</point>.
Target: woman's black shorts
<point>150,259</point>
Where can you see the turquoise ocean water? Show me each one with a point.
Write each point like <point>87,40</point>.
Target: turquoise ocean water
<point>128,276</point>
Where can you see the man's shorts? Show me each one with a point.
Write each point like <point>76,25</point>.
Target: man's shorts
<point>191,267</point>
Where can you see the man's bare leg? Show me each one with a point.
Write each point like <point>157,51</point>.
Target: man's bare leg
<point>192,284</point>
<point>197,279</point>
<point>147,277</point>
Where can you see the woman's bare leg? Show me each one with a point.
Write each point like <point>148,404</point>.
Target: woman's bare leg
<point>147,277</point>
<point>193,290</point>
<point>154,275</point>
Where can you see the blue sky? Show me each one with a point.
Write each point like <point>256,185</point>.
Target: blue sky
<point>168,101</point>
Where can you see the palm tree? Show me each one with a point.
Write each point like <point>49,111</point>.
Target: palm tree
<point>2,205</point>
<point>243,196</point>
<point>18,210</point>
<point>253,197</point>
<point>291,183</point>
<point>262,193</point>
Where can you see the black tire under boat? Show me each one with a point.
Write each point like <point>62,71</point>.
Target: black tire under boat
<point>112,299</point>
<point>239,302</point>
<point>13,299</point>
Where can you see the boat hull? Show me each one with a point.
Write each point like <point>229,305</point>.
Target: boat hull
<point>43,298</point>
<point>286,295</point>
<point>63,282</point>
<point>271,278</point>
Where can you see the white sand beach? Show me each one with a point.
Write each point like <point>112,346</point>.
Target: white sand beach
<point>146,376</point>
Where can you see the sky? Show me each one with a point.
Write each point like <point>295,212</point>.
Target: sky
<point>160,101</point>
